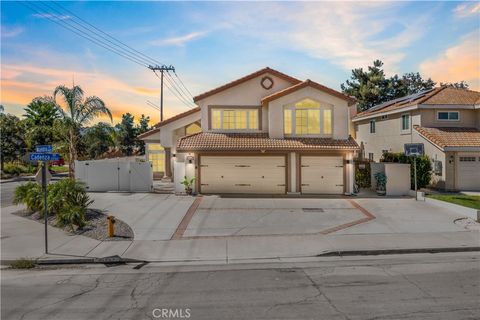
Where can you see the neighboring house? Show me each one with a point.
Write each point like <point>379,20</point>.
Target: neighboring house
<point>446,120</point>
<point>265,133</point>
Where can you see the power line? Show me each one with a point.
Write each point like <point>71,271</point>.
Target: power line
<point>129,53</point>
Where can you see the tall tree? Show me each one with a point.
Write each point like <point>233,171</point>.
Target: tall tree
<point>40,115</point>
<point>99,139</point>
<point>12,143</point>
<point>457,85</point>
<point>77,113</point>
<point>127,134</point>
<point>142,127</point>
<point>368,87</point>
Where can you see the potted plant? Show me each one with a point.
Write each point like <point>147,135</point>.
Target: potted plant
<point>381,180</point>
<point>188,183</point>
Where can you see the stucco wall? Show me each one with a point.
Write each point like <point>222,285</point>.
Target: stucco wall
<point>340,111</point>
<point>168,134</point>
<point>467,118</point>
<point>248,93</point>
<point>388,134</point>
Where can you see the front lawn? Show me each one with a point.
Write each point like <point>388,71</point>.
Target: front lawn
<point>460,199</point>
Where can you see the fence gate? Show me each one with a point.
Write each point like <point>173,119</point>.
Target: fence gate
<point>115,175</point>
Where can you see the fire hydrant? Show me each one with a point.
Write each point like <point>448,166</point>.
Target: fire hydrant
<point>111,227</point>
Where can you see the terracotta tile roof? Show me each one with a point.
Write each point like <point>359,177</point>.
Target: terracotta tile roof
<point>207,141</point>
<point>157,126</point>
<point>246,78</point>
<point>441,95</point>
<point>454,96</point>
<point>451,137</point>
<point>308,83</point>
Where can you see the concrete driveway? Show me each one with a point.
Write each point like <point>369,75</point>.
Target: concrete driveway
<point>235,217</point>
<point>152,216</point>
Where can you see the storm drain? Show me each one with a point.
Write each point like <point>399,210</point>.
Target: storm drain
<point>312,209</point>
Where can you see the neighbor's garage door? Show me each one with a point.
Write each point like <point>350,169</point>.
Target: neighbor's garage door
<point>468,171</point>
<point>242,174</point>
<point>321,174</point>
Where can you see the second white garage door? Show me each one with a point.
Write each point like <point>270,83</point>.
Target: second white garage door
<point>244,174</point>
<point>469,171</point>
<point>322,174</point>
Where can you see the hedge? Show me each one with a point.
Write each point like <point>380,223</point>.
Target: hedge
<point>424,167</point>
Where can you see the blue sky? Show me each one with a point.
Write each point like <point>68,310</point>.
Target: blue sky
<point>211,43</point>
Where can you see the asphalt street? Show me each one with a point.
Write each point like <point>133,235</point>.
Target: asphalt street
<point>421,286</point>
<point>6,191</point>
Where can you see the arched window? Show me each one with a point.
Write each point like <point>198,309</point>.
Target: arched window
<point>308,117</point>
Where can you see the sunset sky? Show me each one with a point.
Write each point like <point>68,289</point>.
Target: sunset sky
<point>216,42</point>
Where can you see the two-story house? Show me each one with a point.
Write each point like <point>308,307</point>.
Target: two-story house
<point>265,133</point>
<point>445,120</point>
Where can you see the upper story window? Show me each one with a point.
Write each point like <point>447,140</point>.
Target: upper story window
<point>234,119</point>
<point>372,126</point>
<point>448,116</point>
<point>307,117</point>
<point>405,122</point>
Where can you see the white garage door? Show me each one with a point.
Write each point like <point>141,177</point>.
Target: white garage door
<point>242,174</point>
<point>468,171</point>
<point>322,174</point>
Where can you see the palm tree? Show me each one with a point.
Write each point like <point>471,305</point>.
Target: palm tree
<point>77,113</point>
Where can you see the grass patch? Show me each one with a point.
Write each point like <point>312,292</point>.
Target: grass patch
<point>23,263</point>
<point>460,199</point>
<point>59,168</point>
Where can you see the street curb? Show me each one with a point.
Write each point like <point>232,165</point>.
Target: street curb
<point>396,251</point>
<point>106,260</point>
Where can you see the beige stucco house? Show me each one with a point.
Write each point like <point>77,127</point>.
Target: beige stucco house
<point>266,133</point>
<point>446,120</point>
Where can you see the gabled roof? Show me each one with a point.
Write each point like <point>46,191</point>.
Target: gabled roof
<point>208,141</point>
<point>308,83</point>
<point>157,126</point>
<point>438,96</point>
<point>253,75</point>
<point>451,137</point>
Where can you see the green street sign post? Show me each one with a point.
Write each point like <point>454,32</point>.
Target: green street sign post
<point>43,176</point>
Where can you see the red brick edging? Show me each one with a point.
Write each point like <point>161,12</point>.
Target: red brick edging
<point>368,216</point>
<point>178,234</point>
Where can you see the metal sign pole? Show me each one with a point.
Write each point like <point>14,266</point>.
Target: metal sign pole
<point>45,212</point>
<point>415,170</point>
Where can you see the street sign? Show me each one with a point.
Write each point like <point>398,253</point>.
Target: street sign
<point>35,156</point>
<point>414,149</point>
<point>39,176</point>
<point>44,149</point>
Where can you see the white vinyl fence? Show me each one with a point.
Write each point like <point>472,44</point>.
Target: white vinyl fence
<point>115,175</point>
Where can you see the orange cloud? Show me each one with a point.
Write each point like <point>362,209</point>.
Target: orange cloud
<point>457,63</point>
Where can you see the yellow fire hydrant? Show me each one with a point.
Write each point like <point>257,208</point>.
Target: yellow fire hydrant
<point>111,226</point>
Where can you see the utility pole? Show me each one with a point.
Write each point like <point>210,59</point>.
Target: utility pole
<point>161,68</point>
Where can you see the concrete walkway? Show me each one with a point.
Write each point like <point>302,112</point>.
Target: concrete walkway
<point>398,224</point>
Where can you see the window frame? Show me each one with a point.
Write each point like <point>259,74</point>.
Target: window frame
<point>404,130</point>
<point>249,117</point>
<point>372,128</point>
<point>292,109</point>
<point>448,112</point>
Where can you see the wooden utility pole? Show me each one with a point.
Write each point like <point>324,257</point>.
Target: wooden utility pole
<point>161,68</point>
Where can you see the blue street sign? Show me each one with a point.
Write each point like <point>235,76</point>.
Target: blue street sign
<point>44,156</point>
<point>44,149</point>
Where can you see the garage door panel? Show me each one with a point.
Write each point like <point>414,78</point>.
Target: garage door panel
<point>243,174</point>
<point>322,174</point>
<point>468,171</point>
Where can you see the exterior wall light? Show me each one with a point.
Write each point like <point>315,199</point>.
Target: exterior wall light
<point>190,159</point>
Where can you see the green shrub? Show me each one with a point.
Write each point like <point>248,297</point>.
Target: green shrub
<point>424,167</point>
<point>17,169</point>
<point>31,195</point>
<point>362,175</point>
<point>66,199</point>
<point>69,201</point>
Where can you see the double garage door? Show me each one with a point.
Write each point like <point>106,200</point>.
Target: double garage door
<point>468,171</point>
<point>268,174</point>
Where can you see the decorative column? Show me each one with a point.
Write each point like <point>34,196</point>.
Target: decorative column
<point>168,164</point>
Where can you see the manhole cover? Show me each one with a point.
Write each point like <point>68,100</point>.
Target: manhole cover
<point>312,209</point>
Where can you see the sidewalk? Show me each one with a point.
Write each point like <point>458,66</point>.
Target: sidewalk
<point>28,241</point>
